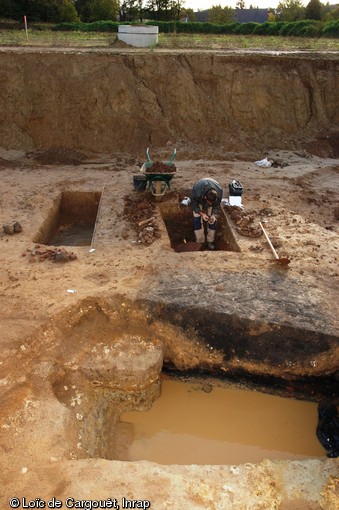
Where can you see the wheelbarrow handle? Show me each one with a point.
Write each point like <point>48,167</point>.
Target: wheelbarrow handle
<point>172,157</point>
<point>148,156</point>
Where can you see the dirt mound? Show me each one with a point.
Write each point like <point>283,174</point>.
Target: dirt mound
<point>325,147</point>
<point>58,156</point>
<point>159,167</point>
<point>116,43</point>
<point>4,163</point>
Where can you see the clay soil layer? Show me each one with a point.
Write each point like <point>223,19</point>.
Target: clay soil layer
<point>86,330</point>
<point>119,100</point>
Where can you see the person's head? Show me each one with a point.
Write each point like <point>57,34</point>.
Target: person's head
<point>211,196</point>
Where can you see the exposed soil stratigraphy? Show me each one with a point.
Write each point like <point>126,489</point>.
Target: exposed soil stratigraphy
<point>84,340</point>
<point>132,100</point>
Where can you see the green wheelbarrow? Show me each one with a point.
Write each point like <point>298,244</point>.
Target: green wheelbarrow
<point>159,174</point>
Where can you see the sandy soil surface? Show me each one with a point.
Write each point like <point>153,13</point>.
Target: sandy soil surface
<point>296,200</point>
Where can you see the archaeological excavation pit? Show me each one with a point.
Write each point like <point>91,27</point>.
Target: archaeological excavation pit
<point>116,382</point>
<point>71,220</point>
<point>179,225</point>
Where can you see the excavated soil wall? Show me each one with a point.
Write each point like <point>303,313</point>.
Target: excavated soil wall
<point>108,101</point>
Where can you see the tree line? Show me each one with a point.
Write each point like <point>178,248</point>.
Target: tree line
<point>56,11</point>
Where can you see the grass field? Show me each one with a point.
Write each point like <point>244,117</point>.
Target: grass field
<point>49,38</point>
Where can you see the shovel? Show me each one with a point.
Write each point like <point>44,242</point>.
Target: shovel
<point>281,260</point>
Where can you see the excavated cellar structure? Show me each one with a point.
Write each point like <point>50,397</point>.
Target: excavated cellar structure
<point>105,357</point>
<point>71,220</point>
<point>178,222</point>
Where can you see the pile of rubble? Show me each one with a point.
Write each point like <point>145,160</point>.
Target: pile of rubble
<point>244,224</point>
<point>139,210</point>
<point>243,221</point>
<point>148,231</point>
<point>53,254</point>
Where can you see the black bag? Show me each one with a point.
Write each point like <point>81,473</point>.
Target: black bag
<point>235,188</point>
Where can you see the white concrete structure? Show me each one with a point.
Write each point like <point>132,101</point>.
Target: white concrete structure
<point>141,36</point>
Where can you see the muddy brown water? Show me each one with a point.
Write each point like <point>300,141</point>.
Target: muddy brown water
<point>187,425</point>
<point>78,234</point>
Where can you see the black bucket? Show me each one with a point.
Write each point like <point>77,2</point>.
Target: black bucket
<point>139,182</point>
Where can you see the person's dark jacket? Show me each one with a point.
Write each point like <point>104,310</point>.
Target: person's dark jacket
<point>199,191</point>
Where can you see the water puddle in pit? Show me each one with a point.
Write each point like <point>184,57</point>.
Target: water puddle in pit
<point>226,426</point>
<point>79,234</point>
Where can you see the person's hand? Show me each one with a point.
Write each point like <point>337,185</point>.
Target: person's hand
<point>212,219</point>
<point>204,216</point>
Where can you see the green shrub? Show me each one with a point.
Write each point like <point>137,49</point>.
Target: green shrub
<point>331,29</point>
<point>67,27</point>
<point>299,28</point>
<point>302,28</point>
<point>230,28</point>
<point>274,28</point>
<point>285,28</point>
<point>102,26</point>
<point>310,31</point>
<point>246,28</point>
<point>164,26</point>
<point>201,28</point>
<point>214,28</point>
<point>96,26</point>
<point>262,29</point>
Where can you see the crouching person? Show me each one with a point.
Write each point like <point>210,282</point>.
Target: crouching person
<point>206,197</point>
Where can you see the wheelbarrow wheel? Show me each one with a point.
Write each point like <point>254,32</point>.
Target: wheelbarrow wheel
<point>158,188</point>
